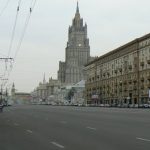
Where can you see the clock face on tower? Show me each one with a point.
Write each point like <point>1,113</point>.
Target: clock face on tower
<point>79,44</point>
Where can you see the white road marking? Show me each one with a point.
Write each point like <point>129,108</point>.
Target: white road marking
<point>58,145</point>
<point>147,140</point>
<point>29,131</point>
<point>63,122</point>
<point>91,128</point>
<point>16,124</point>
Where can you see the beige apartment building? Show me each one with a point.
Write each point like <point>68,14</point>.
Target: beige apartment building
<point>46,89</point>
<point>121,76</point>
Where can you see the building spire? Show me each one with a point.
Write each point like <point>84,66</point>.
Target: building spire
<point>44,81</point>
<point>13,86</point>
<point>77,9</point>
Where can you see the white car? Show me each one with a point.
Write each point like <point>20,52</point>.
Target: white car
<point>146,105</point>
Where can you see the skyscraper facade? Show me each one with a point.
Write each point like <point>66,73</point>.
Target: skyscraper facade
<point>77,52</point>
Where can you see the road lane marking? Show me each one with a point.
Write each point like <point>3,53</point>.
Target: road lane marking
<point>63,122</point>
<point>58,145</point>
<point>16,124</point>
<point>147,140</point>
<point>91,128</point>
<point>29,131</point>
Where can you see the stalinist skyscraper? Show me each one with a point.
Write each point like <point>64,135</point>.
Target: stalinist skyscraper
<point>77,52</point>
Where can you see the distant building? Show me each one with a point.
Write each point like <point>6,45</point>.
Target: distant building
<point>122,76</point>
<point>71,71</point>
<point>45,90</point>
<point>79,94</point>
<point>77,52</point>
<point>20,97</point>
<point>71,94</point>
<point>41,90</point>
<point>52,86</point>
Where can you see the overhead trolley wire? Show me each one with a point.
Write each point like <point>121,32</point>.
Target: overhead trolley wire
<point>4,55</point>
<point>12,36</point>
<point>2,11</point>
<point>33,2</point>
<point>9,71</point>
<point>32,5</point>
<point>14,28</point>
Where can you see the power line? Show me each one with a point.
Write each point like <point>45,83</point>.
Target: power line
<point>32,5</point>
<point>12,37</point>
<point>4,7</point>
<point>2,54</point>
<point>33,2</point>
<point>14,28</point>
<point>6,60</point>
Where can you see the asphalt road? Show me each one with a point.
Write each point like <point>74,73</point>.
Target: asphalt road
<point>74,128</point>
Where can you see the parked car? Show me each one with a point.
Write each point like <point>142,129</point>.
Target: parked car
<point>131,105</point>
<point>107,105</point>
<point>125,105</point>
<point>80,105</point>
<point>1,107</point>
<point>10,102</point>
<point>101,105</point>
<point>146,105</point>
<point>119,105</point>
<point>136,106</point>
<point>114,105</point>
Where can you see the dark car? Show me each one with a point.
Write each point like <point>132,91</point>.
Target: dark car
<point>1,107</point>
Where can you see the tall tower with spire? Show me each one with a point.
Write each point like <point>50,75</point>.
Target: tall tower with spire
<point>44,80</point>
<point>13,90</point>
<point>77,52</point>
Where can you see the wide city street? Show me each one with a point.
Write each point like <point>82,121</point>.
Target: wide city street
<point>41,127</point>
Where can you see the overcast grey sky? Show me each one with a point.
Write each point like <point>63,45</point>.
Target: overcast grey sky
<point>111,23</point>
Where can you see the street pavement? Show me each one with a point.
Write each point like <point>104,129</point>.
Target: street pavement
<point>41,127</point>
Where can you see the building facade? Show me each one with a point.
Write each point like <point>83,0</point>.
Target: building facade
<point>122,76</point>
<point>45,90</point>
<point>20,97</point>
<point>77,52</point>
<point>71,94</point>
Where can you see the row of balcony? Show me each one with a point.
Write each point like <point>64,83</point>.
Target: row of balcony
<point>131,88</point>
<point>142,63</point>
<point>125,82</point>
<point>120,70</point>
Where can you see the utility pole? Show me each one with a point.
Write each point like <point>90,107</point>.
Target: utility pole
<point>1,90</point>
<point>1,93</point>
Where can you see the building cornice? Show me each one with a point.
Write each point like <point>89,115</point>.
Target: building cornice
<point>120,48</point>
